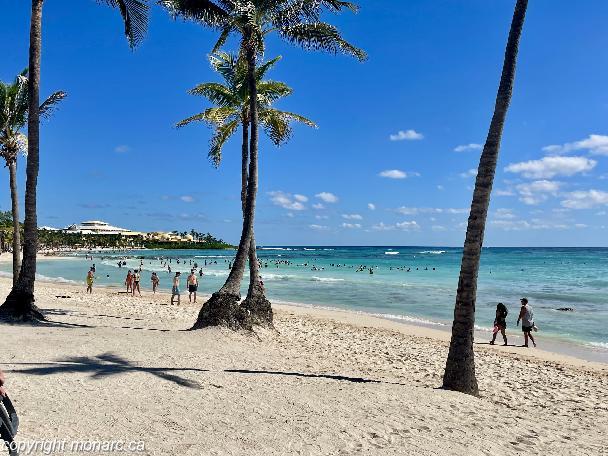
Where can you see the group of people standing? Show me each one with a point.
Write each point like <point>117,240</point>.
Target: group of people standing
<point>133,283</point>
<point>526,317</point>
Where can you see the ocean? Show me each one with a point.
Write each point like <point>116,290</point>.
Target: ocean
<point>410,284</point>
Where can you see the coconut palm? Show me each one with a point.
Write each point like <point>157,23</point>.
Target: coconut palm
<point>13,117</point>
<point>298,22</point>
<point>19,304</point>
<point>231,112</point>
<point>460,366</point>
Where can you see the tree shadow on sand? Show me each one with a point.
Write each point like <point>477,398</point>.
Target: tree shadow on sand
<point>108,364</point>
<point>342,378</point>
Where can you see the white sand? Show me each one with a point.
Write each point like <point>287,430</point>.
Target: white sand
<point>131,373</point>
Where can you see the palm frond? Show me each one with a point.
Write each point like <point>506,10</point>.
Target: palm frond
<point>270,91</point>
<point>206,12</point>
<point>226,30</point>
<point>221,135</point>
<point>292,116</point>
<point>50,104</point>
<point>320,36</point>
<point>212,116</point>
<point>261,71</point>
<point>216,93</point>
<point>276,126</point>
<point>135,17</point>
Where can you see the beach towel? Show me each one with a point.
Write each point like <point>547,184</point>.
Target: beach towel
<point>9,423</point>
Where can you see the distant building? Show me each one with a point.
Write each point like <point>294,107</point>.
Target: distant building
<point>99,227</point>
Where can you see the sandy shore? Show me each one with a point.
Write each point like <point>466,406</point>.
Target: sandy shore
<point>113,367</point>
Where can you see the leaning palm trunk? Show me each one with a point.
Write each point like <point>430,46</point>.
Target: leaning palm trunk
<point>12,170</point>
<point>460,367</point>
<point>19,304</point>
<point>223,306</point>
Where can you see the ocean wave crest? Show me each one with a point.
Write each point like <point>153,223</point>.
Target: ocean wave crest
<point>432,252</point>
<point>326,279</point>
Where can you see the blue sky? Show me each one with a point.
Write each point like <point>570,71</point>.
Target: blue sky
<point>398,135</point>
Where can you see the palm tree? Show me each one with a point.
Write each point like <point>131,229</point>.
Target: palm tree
<point>230,113</point>
<point>19,304</point>
<point>13,117</point>
<point>298,22</point>
<point>460,366</point>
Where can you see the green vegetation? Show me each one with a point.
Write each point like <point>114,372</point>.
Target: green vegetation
<point>52,240</point>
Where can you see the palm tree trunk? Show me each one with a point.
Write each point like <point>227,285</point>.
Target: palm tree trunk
<point>19,303</point>
<point>460,366</point>
<point>223,306</point>
<point>12,170</point>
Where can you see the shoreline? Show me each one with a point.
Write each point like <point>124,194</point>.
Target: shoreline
<point>552,350</point>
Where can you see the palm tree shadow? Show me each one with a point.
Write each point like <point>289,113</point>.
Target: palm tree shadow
<point>304,375</point>
<point>108,364</point>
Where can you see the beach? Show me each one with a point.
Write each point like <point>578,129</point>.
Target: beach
<point>114,367</point>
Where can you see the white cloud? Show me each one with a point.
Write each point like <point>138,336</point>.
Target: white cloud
<point>371,206</point>
<point>585,199</point>
<point>504,214</point>
<point>327,197</point>
<point>318,206</point>
<point>468,147</point>
<point>321,217</point>
<point>548,167</point>
<point>318,227</point>
<point>596,144</point>
<point>187,198</point>
<point>405,226</point>
<point>403,210</point>
<point>352,217</point>
<point>469,173</point>
<point>286,201</point>
<point>538,191</point>
<point>122,148</point>
<point>438,228</point>
<point>534,224</point>
<point>504,193</point>
<point>409,135</point>
<point>440,187</point>
<point>397,174</point>
<point>351,225</point>
<point>300,198</point>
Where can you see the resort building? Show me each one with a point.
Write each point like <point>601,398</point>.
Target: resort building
<point>99,227</point>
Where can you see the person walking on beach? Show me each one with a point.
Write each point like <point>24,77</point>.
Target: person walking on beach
<point>155,281</point>
<point>129,281</point>
<point>136,280</point>
<point>192,286</point>
<point>90,279</point>
<point>526,316</point>
<point>175,288</point>
<point>500,323</point>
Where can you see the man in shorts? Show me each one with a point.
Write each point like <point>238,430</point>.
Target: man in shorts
<point>192,285</point>
<point>526,316</point>
<point>175,289</point>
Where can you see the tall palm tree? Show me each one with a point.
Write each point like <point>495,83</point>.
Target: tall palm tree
<point>460,366</point>
<point>19,304</point>
<point>231,112</point>
<point>298,22</point>
<point>13,117</point>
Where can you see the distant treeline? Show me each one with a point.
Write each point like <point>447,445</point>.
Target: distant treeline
<point>55,240</point>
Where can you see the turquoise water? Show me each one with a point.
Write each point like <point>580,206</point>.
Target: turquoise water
<point>327,276</point>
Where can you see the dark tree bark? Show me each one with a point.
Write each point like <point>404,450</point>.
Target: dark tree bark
<point>460,366</point>
<point>12,170</point>
<point>19,304</point>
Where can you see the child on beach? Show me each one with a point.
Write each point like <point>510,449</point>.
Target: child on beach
<point>175,288</point>
<point>526,316</point>
<point>90,279</point>
<point>129,281</point>
<point>155,281</point>
<point>500,323</point>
